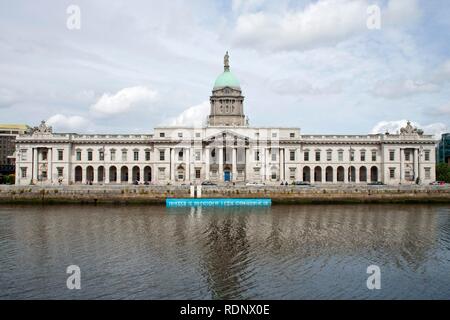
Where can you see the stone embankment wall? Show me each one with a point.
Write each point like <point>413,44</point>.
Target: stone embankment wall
<point>279,194</point>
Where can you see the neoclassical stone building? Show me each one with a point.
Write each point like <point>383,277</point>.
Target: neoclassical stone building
<point>225,150</point>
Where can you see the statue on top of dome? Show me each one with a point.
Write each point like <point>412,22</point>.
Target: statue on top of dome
<point>226,62</point>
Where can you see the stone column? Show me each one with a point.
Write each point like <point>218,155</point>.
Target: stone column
<point>207,155</point>
<point>141,174</point>
<point>283,164</point>
<point>334,180</point>
<point>346,174</point>
<point>247,164</point>
<point>267,164</point>
<point>50,164</point>
<point>106,178</point>
<point>83,174</point>
<point>95,180</point>
<point>356,175</point>
<point>401,165</point>
<point>130,174</point>
<point>324,174</point>
<point>234,164</point>
<point>221,163</point>
<point>172,164</point>
<point>416,164</point>
<point>35,165</point>
<point>188,164</point>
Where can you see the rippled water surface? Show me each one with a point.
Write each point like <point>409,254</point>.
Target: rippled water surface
<point>283,252</point>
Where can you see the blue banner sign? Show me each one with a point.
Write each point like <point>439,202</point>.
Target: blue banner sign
<point>219,202</point>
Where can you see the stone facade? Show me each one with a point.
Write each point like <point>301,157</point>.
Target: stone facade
<point>226,150</point>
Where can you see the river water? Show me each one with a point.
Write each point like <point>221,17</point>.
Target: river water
<point>282,252</point>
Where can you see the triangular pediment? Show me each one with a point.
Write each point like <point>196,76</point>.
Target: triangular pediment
<point>228,137</point>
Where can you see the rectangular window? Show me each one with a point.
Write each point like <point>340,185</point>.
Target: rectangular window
<point>292,134</point>
<point>274,175</point>
<point>306,156</point>
<point>147,155</point>
<point>162,155</point>
<point>180,134</point>
<point>101,155</point>
<point>274,134</point>
<point>197,173</point>
<point>24,172</point>
<point>363,156</point>
<point>427,155</point>
<point>113,155</point>
<point>407,174</point>
<point>162,134</point>
<point>44,175</point>
<point>23,154</point>
<point>78,155</point>
<point>274,155</point>
<point>161,173</point>
<point>180,155</point>
<point>317,155</point>
<point>60,172</point>
<point>292,155</point>
<point>257,155</point>
<point>44,155</point>
<point>427,173</point>
<point>136,155</point>
<point>374,156</point>
<point>341,155</point>
<point>197,156</point>
<point>89,155</point>
<point>328,155</point>
<point>406,155</point>
<point>392,173</point>
<point>352,155</point>
<point>391,155</point>
<point>292,173</point>
<point>124,155</point>
<point>197,134</point>
<point>60,155</point>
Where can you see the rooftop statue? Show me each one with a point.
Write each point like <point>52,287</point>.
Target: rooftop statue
<point>42,129</point>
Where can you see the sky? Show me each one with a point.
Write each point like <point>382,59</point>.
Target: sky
<point>325,66</point>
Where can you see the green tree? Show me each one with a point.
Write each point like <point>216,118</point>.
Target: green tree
<point>443,172</point>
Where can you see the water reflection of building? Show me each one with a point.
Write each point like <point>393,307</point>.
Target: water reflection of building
<point>220,252</point>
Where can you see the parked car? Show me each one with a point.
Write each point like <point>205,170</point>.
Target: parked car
<point>255,184</point>
<point>208,183</point>
<point>437,183</point>
<point>376,183</point>
<point>302,183</point>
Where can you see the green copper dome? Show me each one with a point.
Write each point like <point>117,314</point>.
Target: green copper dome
<point>227,79</point>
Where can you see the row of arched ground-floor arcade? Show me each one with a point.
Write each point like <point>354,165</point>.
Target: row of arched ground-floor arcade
<point>314,174</point>
<point>340,174</point>
<point>112,174</point>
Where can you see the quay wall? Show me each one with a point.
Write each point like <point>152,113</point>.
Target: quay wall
<point>128,194</point>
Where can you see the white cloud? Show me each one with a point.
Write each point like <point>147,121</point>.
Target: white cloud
<point>401,88</point>
<point>302,87</point>
<point>246,5</point>
<point>442,111</point>
<point>436,129</point>
<point>123,101</point>
<point>194,116</point>
<point>325,22</point>
<point>62,122</point>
